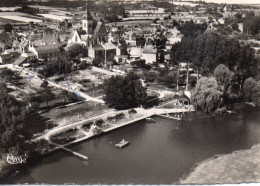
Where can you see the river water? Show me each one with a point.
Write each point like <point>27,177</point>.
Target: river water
<point>158,153</point>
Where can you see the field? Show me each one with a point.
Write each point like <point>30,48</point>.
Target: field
<point>18,17</point>
<point>135,23</point>
<point>4,21</point>
<point>55,17</point>
<point>22,19</point>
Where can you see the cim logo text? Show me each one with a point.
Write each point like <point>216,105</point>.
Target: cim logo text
<point>16,159</point>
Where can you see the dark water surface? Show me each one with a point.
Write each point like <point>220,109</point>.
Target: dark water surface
<point>161,152</point>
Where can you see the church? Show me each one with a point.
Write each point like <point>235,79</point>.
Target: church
<point>95,37</point>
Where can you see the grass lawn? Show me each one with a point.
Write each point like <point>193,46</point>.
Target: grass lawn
<point>74,113</point>
<point>237,167</point>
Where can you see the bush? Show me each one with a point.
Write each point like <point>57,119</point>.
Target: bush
<point>60,78</point>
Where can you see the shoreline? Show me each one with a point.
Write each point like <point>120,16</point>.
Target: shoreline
<point>218,170</point>
<point>20,170</point>
<point>117,126</point>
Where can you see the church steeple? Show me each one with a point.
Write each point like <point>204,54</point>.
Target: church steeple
<point>87,21</point>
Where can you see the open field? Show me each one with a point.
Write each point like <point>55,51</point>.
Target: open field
<point>18,17</point>
<point>55,17</point>
<point>21,19</point>
<point>4,21</point>
<point>134,23</point>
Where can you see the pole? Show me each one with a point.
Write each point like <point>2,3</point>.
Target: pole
<point>178,79</point>
<point>187,81</point>
<point>105,56</point>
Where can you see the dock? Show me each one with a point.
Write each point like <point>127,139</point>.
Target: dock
<point>170,117</point>
<point>81,156</point>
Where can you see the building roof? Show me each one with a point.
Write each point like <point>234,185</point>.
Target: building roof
<point>47,48</point>
<point>135,51</point>
<point>98,47</point>
<point>149,50</point>
<point>108,46</point>
<point>5,56</point>
<point>23,43</point>
<point>183,97</point>
<point>19,60</point>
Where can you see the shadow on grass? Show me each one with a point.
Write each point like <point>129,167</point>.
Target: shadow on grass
<point>36,123</point>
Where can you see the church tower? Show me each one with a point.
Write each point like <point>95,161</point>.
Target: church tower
<point>87,21</point>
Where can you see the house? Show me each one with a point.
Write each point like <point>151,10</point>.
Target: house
<point>6,58</point>
<point>104,52</point>
<point>78,37</point>
<point>240,27</point>
<point>149,54</point>
<point>50,52</point>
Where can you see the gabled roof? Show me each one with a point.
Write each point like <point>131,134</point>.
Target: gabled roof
<point>81,32</point>
<point>24,43</point>
<point>47,48</point>
<point>108,46</point>
<point>50,39</point>
<point>100,29</point>
<point>5,56</point>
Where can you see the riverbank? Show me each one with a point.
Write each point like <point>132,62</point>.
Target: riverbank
<point>238,167</point>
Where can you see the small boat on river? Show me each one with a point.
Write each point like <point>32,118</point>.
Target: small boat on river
<point>121,144</point>
<point>150,120</point>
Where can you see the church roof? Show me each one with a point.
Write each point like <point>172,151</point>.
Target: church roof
<point>87,15</point>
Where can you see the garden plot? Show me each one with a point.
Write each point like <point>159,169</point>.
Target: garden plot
<point>83,80</point>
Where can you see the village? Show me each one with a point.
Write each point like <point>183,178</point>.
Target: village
<point>57,60</point>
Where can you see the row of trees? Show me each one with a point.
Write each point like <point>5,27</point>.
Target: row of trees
<point>208,50</point>
<point>221,90</point>
<point>216,91</point>
<point>12,126</point>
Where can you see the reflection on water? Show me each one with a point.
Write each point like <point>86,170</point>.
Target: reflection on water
<point>160,152</point>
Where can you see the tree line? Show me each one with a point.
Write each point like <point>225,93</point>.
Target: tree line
<point>229,70</point>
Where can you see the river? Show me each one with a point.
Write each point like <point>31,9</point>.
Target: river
<point>158,153</point>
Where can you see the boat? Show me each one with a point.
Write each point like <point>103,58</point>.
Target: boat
<point>150,120</point>
<point>121,144</point>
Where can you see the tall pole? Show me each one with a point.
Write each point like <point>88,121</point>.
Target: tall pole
<point>178,78</point>
<point>187,81</point>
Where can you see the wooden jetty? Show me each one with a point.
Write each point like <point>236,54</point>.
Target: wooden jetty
<point>81,156</point>
<point>170,117</point>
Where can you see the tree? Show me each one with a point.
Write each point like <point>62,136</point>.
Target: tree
<point>190,29</point>
<point>155,20</point>
<point>12,125</point>
<point>206,95</point>
<point>45,84</point>
<point>75,50</point>
<point>238,15</point>
<point>223,76</point>
<point>66,96</point>
<point>256,93</point>
<point>248,87</point>
<point>124,92</point>
<point>8,27</point>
